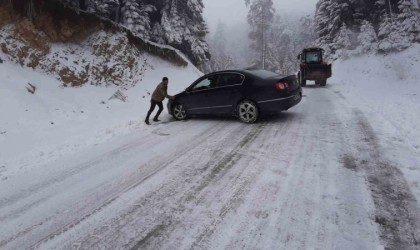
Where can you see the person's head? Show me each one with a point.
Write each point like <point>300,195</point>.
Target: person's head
<point>165,80</point>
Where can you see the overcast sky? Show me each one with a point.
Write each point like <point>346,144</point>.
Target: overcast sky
<point>232,12</point>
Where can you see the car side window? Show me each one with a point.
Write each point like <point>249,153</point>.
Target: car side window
<point>230,79</point>
<point>206,83</point>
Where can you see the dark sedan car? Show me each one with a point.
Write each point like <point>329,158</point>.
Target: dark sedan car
<point>242,93</point>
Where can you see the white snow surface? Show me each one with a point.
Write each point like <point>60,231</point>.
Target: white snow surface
<point>57,121</point>
<point>78,174</point>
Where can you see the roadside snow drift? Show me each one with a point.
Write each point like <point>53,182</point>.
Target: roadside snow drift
<point>55,121</point>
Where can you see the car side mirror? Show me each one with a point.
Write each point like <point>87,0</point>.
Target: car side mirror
<point>188,90</point>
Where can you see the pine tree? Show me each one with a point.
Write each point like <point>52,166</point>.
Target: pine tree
<point>367,38</point>
<point>135,16</point>
<point>409,19</point>
<point>182,26</point>
<point>104,8</point>
<point>397,23</point>
<point>282,46</point>
<point>306,34</point>
<point>342,42</point>
<point>260,18</point>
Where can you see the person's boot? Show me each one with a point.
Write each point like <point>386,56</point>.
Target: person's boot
<point>147,122</point>
<point>156,119</point>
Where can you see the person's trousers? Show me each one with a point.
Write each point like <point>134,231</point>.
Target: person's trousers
<point>152,107</point>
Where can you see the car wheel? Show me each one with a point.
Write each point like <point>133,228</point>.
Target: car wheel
<point>179,112</point>
<point>323,82</point>
<point>248,111</point>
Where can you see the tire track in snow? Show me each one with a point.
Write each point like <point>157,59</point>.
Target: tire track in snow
<point>214,170</point>
<point>228,193</point>
<point>302,199</point>
<point>151,169</point>
<point>189,189</point>
<point>196,143</point>
<point>158,165</point>
<point>397,213</point>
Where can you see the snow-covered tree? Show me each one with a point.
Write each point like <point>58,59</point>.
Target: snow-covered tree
<point>397,23</point>
<point>329,18</point>
<point>342,40</point>
<point>135,16</point>
<point>181,25</point>
<point>409,19</point>
<point>281,52</point>
<point>260,18</point>
<point>105,8</point>
<point>367,38</point>
<point>102,7</point>
<point>391,37</point>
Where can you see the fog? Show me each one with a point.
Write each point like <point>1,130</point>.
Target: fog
<point>233,12</point>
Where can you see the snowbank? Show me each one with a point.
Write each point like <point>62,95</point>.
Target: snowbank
<point>56,121</point>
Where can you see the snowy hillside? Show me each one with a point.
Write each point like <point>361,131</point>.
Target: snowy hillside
<point>387,90</point>
<point>55,121</point>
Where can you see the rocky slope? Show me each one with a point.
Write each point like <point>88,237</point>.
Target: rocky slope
<point>77,48</point>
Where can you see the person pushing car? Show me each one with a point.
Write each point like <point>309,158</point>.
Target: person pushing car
<point>160,93</point>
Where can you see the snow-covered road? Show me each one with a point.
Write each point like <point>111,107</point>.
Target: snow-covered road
<point>315,177</point>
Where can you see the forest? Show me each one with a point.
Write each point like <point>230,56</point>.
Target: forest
<point>342,27</point>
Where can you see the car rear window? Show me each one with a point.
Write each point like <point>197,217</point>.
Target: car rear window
<point>264,73</point>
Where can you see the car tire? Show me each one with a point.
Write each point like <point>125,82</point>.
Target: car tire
<point>179,112</point>
<point>323,83</point>
<point>248,112</point>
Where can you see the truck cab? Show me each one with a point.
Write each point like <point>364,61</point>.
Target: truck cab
<point>313,67</point>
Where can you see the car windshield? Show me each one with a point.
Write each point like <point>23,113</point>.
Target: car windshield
<point>313,57</point>
<point>264,73</point>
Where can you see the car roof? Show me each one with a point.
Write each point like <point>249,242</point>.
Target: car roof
<point>259,73</point>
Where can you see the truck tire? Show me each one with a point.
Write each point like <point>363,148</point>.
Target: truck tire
<point>301,81</point>
<point>323,83</point>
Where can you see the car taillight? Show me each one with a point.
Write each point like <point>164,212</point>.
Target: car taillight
<point>282,86</point>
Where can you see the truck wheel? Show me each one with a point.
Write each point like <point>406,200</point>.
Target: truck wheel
<point>323,83</point>
<point>301,81</point>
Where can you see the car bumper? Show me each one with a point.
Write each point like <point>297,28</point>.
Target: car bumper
<point>278,105</point>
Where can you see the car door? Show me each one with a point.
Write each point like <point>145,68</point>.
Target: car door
<point>229,88</point>
<point>200,95</point>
